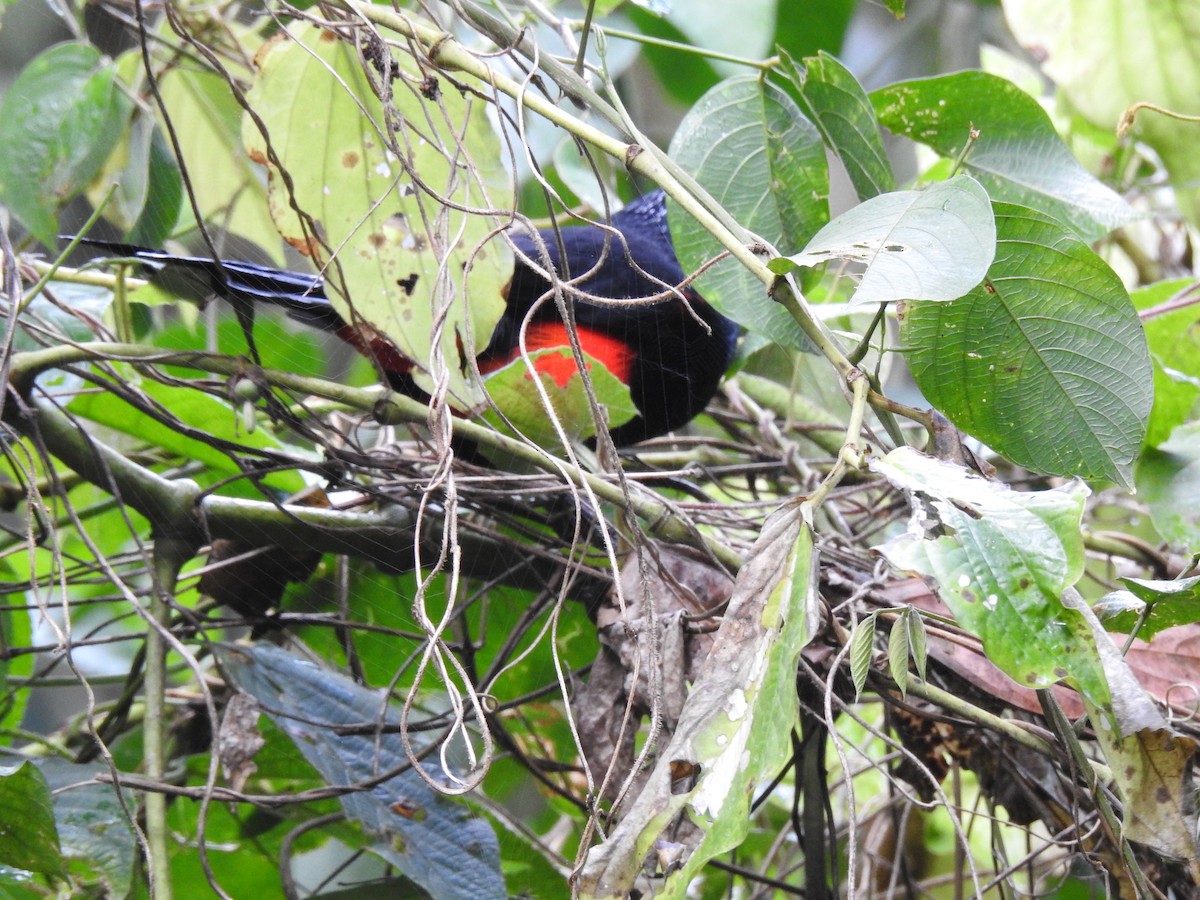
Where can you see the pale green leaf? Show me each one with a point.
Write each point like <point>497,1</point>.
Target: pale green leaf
<point>934,244</point>
<point>1168,482</point>
<point>1174,342</point>
<point>227,186</point>
<point>1106,55</point>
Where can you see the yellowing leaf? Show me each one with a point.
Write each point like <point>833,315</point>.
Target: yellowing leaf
<point>375,183</point>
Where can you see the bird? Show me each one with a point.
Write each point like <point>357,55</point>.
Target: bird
<point>671,352</point>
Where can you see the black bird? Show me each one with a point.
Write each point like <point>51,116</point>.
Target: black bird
<point>671,353</point>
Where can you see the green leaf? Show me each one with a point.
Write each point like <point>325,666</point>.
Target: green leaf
<point>59,121</point>
<point>28,837</point>
<point>1018,156</point>
<point>430,837</point>
<point>1046,363</point>
<point>862,652</point>
<point>934,244</point>
<point>747,143</point>
<point>228,188</point>
<point>836,103</point>
<point>1173,603</point>
<point>164,195</point>
<point>917,641</point>
<point>1168,482</point>
<point>416,270</point>
<point>515,392</point>
<point>1174,341</point>
<point>898,652</point>
<point>189,408</point>
<point>1106,55</point>
<point>1000,560</point>
<point>149,186</point>
<point>93,826</point>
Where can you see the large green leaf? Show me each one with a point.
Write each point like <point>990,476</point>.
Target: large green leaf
<point>431,838</point>
<point>934,244</point>
<point>1106,55</point>
<point>1018,156</point>
<point>403,260</point>
<point>1046,362</point>
<point>1001,561</point>
<point>833,99</point>
<point>59,121</point>
<point>28,837</point>
<point>749,145</point>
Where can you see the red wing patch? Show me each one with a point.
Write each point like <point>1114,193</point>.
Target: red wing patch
<point>612,352</point>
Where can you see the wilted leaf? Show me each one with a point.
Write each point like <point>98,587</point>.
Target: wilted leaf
<point>736,726</point>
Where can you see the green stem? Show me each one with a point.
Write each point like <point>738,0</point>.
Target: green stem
<point>169,557</point>
<point>49,273</point>
<point>763,65</point>
<point>144,490</point>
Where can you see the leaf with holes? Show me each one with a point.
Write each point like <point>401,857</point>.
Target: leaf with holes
<point>934,244</point>
<point>404,258</point>
<point>1001,561</point>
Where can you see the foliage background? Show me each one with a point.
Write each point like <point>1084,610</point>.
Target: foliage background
<point>878,780</point>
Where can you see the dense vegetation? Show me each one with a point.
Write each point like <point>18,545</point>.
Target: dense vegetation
<point>909,612</point>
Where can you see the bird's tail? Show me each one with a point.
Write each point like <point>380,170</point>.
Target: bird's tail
<point>198,278</point>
